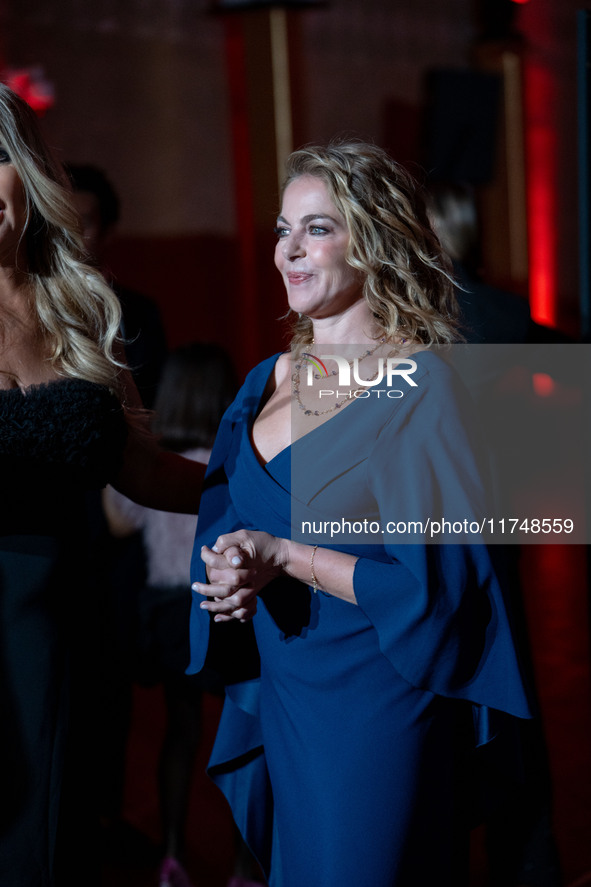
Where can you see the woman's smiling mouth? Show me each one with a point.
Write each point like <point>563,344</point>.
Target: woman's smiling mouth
<point>297,277</point>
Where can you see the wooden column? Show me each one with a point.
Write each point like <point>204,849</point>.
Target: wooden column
<point>258,63</point>
<point>503,203</point>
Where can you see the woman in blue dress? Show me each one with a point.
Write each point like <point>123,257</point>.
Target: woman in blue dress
<point>363,664</point>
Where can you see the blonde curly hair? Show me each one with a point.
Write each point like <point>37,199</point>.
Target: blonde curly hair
<point>77,312</point>
<point>408,284</point>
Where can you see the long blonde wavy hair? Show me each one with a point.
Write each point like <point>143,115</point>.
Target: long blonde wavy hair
<point>77,312</point>
<point>407,277</point>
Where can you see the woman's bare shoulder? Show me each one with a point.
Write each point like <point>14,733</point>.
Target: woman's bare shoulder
<point>282,367</point>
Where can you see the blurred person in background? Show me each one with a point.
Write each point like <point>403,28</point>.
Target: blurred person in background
<point>488,314</point>
<point>142,329</point>
<point>120,563</point>
<point>197,385</point>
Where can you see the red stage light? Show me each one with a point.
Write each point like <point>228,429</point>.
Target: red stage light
<point>32,86</point>
<point>543,384</point>
<point>541,147</point>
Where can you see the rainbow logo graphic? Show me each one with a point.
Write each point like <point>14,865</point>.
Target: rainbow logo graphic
<point>315,363</point>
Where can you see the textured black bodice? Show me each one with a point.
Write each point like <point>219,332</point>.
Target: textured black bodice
<point>57,440</point>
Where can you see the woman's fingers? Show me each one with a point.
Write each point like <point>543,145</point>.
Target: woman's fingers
<point>243,615</point>
<point>221,564</point>
<point>219,590</point>
<point>235,548</point>
<point>220,572</point>
<point>227,604</point>
<point>238,604</point>
<point>233,544</point>
<point>232,557</point>
<point>236,571</point>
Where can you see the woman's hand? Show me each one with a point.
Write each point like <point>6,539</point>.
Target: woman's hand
<point>239,565</point>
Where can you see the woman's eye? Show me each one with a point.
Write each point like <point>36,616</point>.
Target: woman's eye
<point>4,156</point>
<point>318,229</point>
<point>281,232</point>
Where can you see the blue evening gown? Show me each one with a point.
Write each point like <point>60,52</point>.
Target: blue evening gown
<point>347,729</point>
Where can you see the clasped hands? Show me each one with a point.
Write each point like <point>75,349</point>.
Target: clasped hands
<point>238,566</point>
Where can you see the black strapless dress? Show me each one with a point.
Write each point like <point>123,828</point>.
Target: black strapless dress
<point>57,441</point>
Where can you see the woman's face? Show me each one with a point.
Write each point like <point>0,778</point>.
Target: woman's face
<point>13,210</point>
<point>311,251</point>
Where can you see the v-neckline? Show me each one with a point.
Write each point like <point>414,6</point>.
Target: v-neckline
<point>288,447</point>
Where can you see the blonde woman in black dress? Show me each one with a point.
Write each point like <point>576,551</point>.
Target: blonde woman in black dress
<point>69,422</point>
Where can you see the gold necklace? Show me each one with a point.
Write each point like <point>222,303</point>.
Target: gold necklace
<point>296,381</point>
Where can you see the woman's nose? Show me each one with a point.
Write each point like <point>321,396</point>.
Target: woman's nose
<point>293,246</point>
